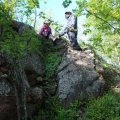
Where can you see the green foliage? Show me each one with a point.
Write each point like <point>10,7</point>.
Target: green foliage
<point>27,11</point>
<point>51,63</point>
<point>6,13</point>
<point>66,3</point>
<point>54,110</point>
<point>105,14</point>
<point>33,3</point>
<point>51,59</point>
<point>102,26</point>
<point>16,46</point>
<point>55,25</point>
<point>34,42</point>
<point>104,108</point>
<point>81,7</point>
<point>12,43</point>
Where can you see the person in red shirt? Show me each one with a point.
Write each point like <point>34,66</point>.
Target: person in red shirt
<point>45,30</point>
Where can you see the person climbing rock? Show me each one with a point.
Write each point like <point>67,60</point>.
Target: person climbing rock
<point>45,30</point>
<point>71,30</point>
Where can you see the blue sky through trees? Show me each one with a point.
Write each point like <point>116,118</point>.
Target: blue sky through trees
<point>55,9</point>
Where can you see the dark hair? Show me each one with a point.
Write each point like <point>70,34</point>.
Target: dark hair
<point>68,12</point>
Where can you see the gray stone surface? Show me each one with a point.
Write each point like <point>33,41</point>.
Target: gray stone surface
<point>33,63</point>
<point>5,87</point>
<point>37,93</point>
<point>32,68</point>
<point>77,77</point>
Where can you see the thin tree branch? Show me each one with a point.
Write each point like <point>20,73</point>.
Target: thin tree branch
<point>102,20</point>
<point>35,18</point>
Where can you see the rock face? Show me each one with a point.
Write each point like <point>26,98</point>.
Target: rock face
<point>8,108</point>
<point>31,71</point>
<point>77,77</point>
<point>33,63</point>
<point>5,87</point>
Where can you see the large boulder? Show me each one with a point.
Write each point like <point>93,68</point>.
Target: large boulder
<point>77,76</point>
<point>7,99</point>
<point>34,94</point>
<point>8,108</point>
<point>5,87</point>
<point>32,71</point>
<point>33,63</point>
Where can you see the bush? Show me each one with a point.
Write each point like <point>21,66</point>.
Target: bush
<point>104,108</point>
<point>51,63</point>
<point>51,59</point>
<point>54,110</point>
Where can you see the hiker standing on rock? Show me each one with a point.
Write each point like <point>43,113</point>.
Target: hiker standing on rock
<point>71,30</point>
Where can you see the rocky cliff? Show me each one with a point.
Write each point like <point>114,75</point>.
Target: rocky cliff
<point>78,76</point>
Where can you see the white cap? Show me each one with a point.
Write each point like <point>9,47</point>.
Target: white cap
<point>46,22</point>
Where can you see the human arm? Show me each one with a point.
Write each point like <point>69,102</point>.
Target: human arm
<point>50,33</point>
<point>63,32</point>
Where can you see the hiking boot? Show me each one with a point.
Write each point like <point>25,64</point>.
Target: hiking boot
<point>77,48</point>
